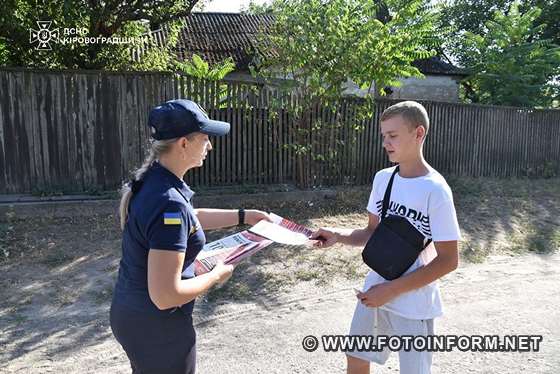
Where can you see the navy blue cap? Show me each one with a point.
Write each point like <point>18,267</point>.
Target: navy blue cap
<point>177,118</point>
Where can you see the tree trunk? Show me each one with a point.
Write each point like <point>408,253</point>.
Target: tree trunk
<point>302,159</point>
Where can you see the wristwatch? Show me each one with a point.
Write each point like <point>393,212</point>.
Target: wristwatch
<point>241,215</point>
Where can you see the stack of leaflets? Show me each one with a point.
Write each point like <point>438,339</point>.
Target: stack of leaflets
<point>234,248</point>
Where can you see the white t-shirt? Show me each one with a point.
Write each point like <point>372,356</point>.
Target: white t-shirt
<point>427,203</point>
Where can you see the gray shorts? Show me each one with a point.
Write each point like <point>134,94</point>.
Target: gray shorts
<point>375,321</point>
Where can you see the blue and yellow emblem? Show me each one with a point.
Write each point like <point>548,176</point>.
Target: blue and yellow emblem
<point>171,218</point>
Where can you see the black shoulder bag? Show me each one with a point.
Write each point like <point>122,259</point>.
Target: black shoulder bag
<point>395,244</point>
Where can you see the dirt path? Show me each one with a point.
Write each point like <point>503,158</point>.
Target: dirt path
<point>504,295</point>
<point>57,276</point>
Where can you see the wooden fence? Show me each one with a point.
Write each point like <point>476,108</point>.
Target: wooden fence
<point>86,130</point>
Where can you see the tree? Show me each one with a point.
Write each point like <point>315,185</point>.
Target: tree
<point>256,8</point>
<point>95,18</point>
<point>316,46</point>
<point>510,62</point>
<point>467,17</point>
<point>472,15</point>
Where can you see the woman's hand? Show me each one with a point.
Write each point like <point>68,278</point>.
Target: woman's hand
<point>252,216</point>
<point>222,272</point>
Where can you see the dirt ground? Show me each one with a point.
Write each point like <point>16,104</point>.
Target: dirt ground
<point>58,274</point>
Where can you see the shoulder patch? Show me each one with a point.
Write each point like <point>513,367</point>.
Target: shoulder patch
<point>170,218</point>
<point>195,228</point>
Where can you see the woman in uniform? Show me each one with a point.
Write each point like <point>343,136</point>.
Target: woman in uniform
<point>151,311</point>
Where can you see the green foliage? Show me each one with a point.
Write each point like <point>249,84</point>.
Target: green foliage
<point>463,18</point>
<point>256,8</point>
<point>549,18</point>
<point>315,47</point>
<point>151,56</point>
<point>107,19</point>
<point>199,68</point>
<point>548,169</point>
<point>156,57</point>
<point>510,64</point>
<point>3,52</point>
<point>322,44</point>
<point>472,15</point>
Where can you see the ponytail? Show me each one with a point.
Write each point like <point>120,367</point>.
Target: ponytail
<point>157,148</point>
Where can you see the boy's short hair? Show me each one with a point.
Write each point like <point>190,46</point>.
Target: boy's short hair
<point>414,113</point>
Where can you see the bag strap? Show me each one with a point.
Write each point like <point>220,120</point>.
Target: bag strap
<point>387,196</point>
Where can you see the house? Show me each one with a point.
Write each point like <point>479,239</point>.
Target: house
<point>216,36</point>
<point>441,83</point>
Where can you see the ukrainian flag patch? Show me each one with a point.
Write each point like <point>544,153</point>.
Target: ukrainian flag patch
<point>171,218</point>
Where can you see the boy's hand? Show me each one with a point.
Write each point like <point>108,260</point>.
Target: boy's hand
<point>323,238</point>
<point>378,295</point>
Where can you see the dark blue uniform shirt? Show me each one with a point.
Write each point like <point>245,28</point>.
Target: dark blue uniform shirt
<point>160,217</point>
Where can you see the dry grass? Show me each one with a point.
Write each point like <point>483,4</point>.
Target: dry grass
<point>496,216</point>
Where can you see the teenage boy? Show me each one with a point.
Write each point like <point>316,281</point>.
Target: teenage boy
<point>406,305</point>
